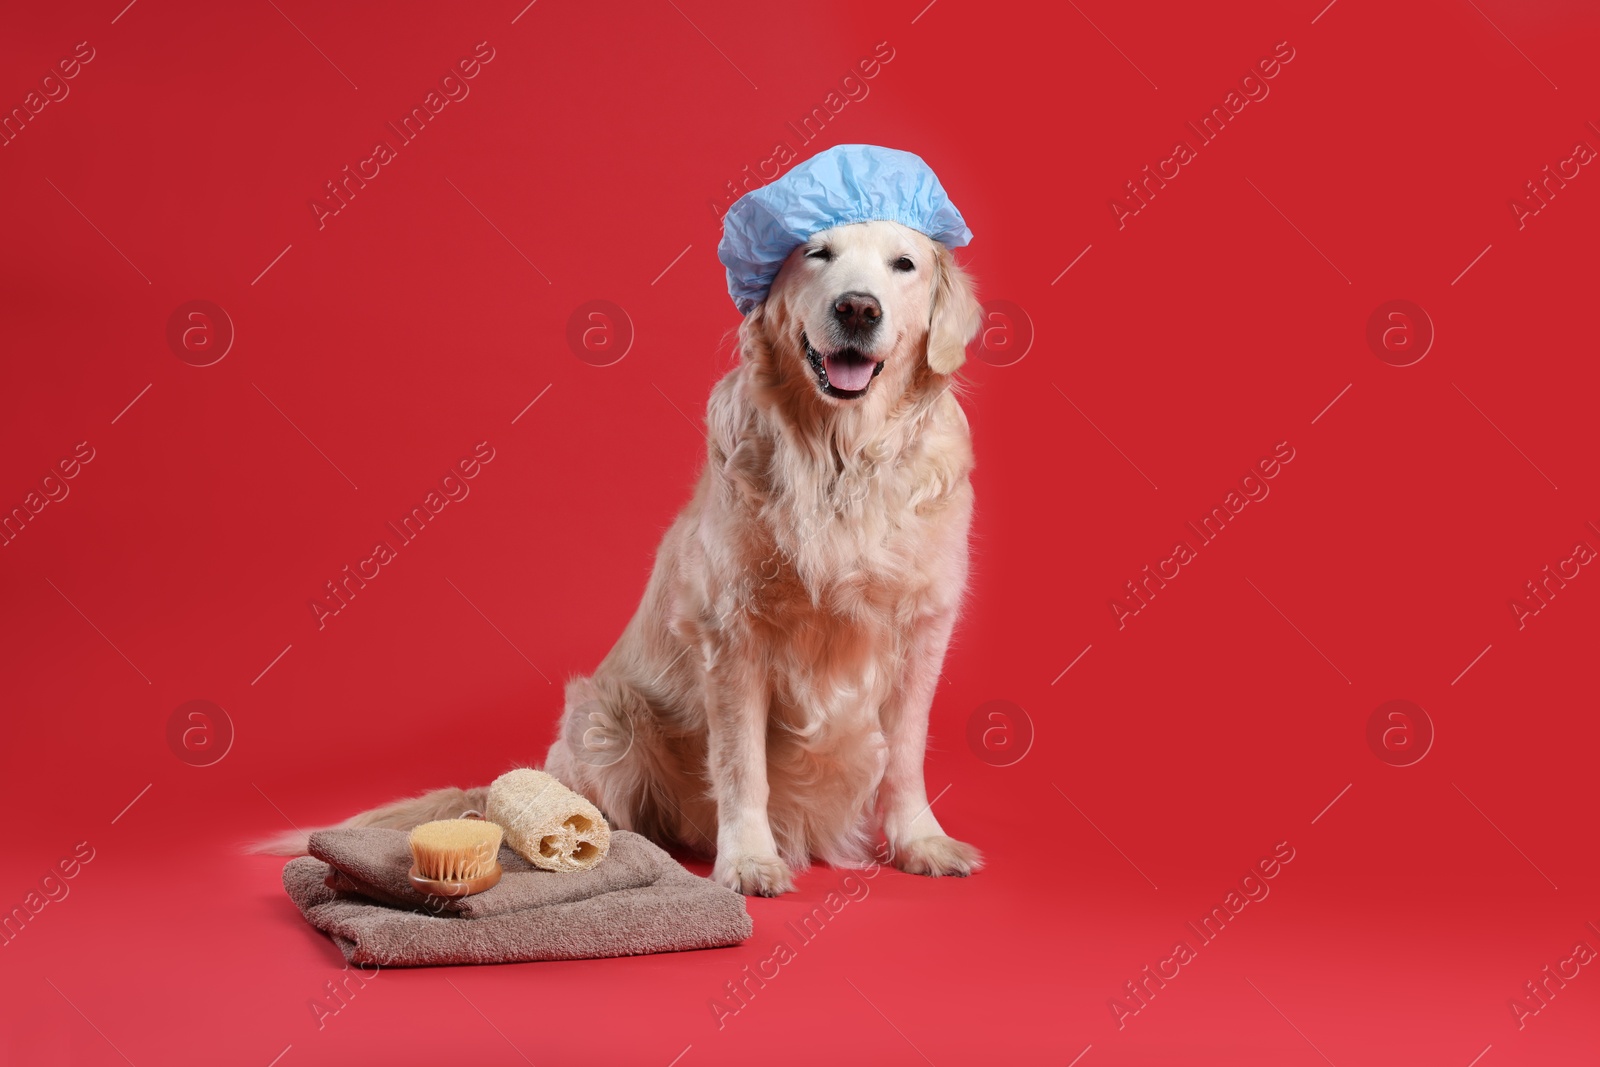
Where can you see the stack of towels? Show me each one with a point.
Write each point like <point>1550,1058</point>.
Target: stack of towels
<point>355,886</point>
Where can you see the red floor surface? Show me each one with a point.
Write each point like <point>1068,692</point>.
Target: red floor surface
<point>1425,537</point>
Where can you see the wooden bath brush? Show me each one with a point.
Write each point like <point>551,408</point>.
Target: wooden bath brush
<point>455,857</point>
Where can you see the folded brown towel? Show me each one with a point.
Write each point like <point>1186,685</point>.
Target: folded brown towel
<point>377,863</point>
<point>354,887</point>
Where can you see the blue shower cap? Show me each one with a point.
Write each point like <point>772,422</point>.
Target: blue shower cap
<point>847,183</point>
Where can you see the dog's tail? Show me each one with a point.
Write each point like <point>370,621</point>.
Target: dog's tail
<point>402,814</point>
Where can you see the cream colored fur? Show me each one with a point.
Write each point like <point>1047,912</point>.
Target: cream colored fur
<point>768,703</point>
<point>776,680</point>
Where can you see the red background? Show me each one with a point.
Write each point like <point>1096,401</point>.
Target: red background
<point>1222,319</point>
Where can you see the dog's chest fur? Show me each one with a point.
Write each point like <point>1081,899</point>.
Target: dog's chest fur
<point>845,546</point>
<point>854,537</point>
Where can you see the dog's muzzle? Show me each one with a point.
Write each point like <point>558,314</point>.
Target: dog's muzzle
<point>843,374</point>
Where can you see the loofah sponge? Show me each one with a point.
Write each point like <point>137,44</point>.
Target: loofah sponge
<point>546,823</point>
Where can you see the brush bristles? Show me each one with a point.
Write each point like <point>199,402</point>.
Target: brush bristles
<point>455,850</point>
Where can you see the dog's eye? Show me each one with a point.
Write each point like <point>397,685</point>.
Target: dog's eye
<point>904,264</point>
<point>824,254</point>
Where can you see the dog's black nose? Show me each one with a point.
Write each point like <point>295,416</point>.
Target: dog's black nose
<point>857,312</point>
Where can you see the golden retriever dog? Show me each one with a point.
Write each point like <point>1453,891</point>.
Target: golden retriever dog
<point>768,703</point>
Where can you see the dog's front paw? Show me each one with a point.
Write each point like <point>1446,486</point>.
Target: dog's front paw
<point>938,856</point>
<point>754,876</point>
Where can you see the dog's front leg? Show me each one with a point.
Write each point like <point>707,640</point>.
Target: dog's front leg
<point>917,843</point>
<point>736,709</point>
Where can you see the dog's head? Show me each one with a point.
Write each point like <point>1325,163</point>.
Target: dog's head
<point>868,309</point>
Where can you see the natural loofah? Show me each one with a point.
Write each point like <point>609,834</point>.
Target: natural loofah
<point>546,823</point>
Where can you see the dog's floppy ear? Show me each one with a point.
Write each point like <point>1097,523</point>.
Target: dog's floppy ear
<point>955,316</point>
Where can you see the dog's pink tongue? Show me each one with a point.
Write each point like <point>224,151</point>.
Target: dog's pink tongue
<point>848,374</point>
